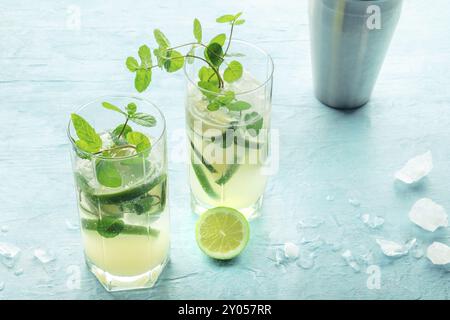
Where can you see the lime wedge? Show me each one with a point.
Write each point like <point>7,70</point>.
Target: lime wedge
<point>222,233</point>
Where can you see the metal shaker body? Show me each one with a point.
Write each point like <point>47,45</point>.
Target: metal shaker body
<point>348,47</point>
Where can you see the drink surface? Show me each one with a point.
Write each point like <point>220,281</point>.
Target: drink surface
<point>226,153</point>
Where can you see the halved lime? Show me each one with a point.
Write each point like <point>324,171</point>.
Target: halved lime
<point>222,233</point>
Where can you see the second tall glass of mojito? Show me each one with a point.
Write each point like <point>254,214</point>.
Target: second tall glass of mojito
<point>228,130</point>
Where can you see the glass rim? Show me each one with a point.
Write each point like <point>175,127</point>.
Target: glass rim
<point>99,156</point>
<point>263,84</point>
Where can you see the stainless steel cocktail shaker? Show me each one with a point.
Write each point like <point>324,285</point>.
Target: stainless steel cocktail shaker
<point>349,40</point>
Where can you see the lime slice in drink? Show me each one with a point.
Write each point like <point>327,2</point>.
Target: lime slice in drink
<point>222,233</point>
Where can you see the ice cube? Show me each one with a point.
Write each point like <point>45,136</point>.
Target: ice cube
<point>416,168</point>
<point>43,255</point>
<point>306,260</point>
<point>280,257</point>
<point>311,222</point>
<point>354,202</point>
<point>18,272</point>
<point>395,249</point>
<point>8,250</point>
<point>372,222</point>
<point>291,250</point>
<point>350,260</point>
<point>72,225</point>
<point>2,285</point>
<point>438,253</point>
<point>428,215</point>
<point>330,198</point>
<point>4,229</point>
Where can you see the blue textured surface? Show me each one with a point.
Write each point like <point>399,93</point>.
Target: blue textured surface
<point>47,69</point>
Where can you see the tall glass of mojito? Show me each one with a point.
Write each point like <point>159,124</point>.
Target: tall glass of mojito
<point>227,120</point>
<point>120,168</point>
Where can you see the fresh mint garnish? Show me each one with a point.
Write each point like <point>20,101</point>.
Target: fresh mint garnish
<point>89,140</point>
<point>109,227</point>
<point>233,72</point>
<point>197,30</point>
<point>138,139</point>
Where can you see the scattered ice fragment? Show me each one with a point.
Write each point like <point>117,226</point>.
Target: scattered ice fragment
<point>330,198</point>
<point>311,222</point>
<point>428,215</point>
<point>416,168</point>
<point>350,260</point>
<point>372,221</point>
<point>18,272</point>
<point>4,229</point>
<point>291,250</point>
<point>438,253</point>
<point>417,251</point>
<point>280,257</point>
<point>2,285</point>
<point>8,250</point>
<point>354,202</point>
<point>306,260</point>
<point>44,256</point>
<point>71,225</point>
<point>394,249</point>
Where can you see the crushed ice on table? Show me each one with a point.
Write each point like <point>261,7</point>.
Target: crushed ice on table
<point>311,222</point>
<point>330,198</point>
<point>416,168</point>
<point>9,254</point>
<point>18,272</point>
<point>306,259</point>
<point>291,250</point>
<point>417,251</point>
<point>372,221</point>
<point>280,257</point>
<point>347,255</point>
<point>395,249</point>
<point>354,202</point>
<point>2,285</point>
<point>439,253</point>
<point>72,225</point>
<point>428,215</point>
<point>4,229</point>
<point>44,256</point>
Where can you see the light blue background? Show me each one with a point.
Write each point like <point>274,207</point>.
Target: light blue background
<point>47,70</point>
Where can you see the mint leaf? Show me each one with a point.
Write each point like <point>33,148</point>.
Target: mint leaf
<point>237,15</point>
<point>160,56</point>
<point>131,108</point>
<point>219,39</point>
<point>233,71</point>
<point>109,227</point>
<point>239,22</point>
<point>115,133</point>
<point>161,39</point>
<point>214,53</point>
<point>213,106</point>
<point>142,79</point>
<point>132,64</point>
<point>225,18</point>
<point>143,119</point>
<point>107,174</point>
<point>197,30</point>
<point>210,88</point>
<point>174,62</point>
<point>89,140</point>
<point>139,140</point>
<point>226,98</point>
<point>146,56</point>
<point>255,121</point>
<point>112,107</point>
<point>239,106</point>
<point>207,74</point>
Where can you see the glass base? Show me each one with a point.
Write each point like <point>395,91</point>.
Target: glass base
<point>114,283</point>
<point>250,213</point>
